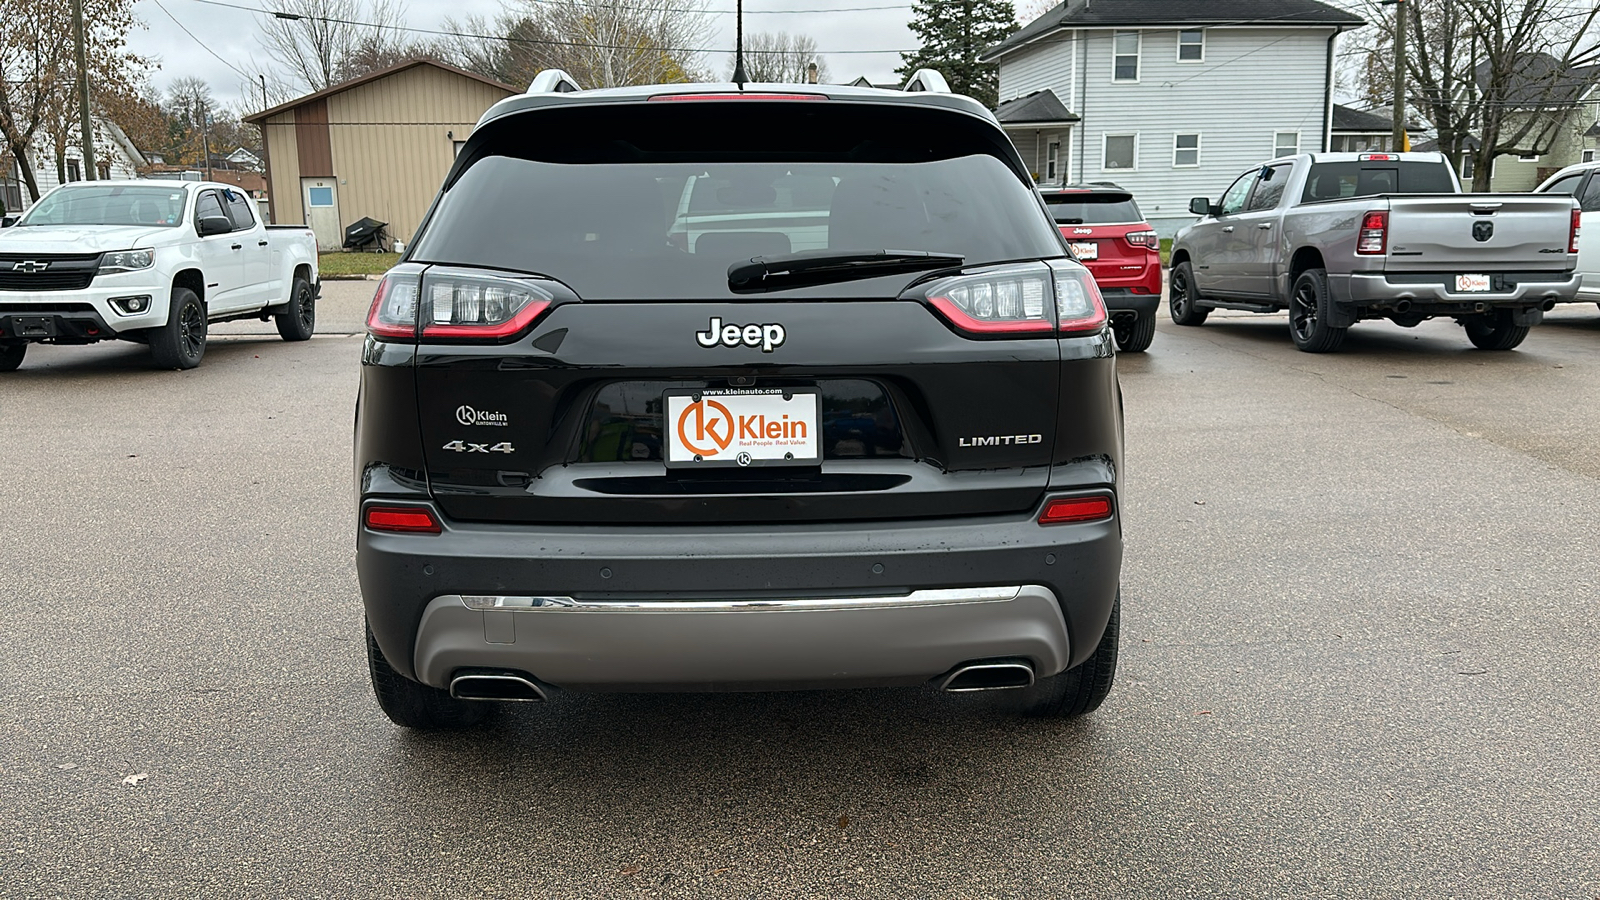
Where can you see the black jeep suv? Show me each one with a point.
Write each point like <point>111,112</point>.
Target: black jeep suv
<point>701,387</point>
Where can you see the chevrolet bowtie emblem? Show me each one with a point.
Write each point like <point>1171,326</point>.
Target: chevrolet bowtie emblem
<point>29,266</point>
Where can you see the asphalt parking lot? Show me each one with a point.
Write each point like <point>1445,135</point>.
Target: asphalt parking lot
<point>1359,660</point>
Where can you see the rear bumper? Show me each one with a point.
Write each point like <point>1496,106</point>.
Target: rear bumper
<point>1122,300</point>
<point>726,645</point>
<point>1433,290</point>
<point>412,587</point>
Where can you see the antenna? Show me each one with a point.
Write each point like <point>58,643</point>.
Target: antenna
<point>738,51</point>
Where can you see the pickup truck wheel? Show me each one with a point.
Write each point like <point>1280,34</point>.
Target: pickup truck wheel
<point>1076,692</point>
<point>412,705</point>
<point>1309,309</point>
<point>181,343</point>
<point>1181,297</point>
<point>11,354</point>
<point>1135,337</point>
<point>299,318</point>
<point>1495,331</point>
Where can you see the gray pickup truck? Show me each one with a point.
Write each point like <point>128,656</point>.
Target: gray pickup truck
<point>1336,238</point>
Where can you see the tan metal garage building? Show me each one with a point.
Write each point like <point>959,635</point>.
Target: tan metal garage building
<point>376,146</point>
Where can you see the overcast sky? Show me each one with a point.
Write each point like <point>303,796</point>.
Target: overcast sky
<point>231,34</point>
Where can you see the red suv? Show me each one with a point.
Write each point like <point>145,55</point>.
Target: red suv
<point>1108,234</point>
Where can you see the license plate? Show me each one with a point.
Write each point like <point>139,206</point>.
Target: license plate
<point>756,427</point>
<point>1085,249</point>
<point>34,326</point>
<point>1472,283</point>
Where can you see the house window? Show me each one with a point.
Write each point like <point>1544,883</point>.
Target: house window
<point>1125,56</point>
<point>74,170</point>
<point>1588,156</point>
<point>456,146</point>
<point>1529,158</point>
<point>1052,153</point>
<point>1467,167</point>
<point>104,169</point>
<point>1120,151</point>
<point>1192,46</point>
<point>1285,143</point>
<point>1185,150</point>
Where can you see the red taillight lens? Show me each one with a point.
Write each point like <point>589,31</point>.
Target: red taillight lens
<point>1006,300</point>
<point>1079,307</point>
<point>463,305</point>
<point>1577,223</point>
<point>403,519</point>
<point>1378,157</point>
<point>1075,509</point>
<point>1146,239</point>
<point>394,308</point>
<point>1374,237</point>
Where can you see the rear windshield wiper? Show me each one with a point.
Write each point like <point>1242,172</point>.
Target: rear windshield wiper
<point>791,270</point>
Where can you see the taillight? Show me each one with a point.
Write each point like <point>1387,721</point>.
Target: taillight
<point>1374,237</point>
<point>471,305</point>
<point>1079,307</point>
<point>1006,300</point>
<point>1143,239</point>
<point>402,519</point>
<point>1577,223</point>
<point>1075,509</point>
<point>394,308</point>
<point>1377,157</point>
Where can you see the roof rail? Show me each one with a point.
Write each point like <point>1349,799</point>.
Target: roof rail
<point>927,80</point>
<point>553,81</point>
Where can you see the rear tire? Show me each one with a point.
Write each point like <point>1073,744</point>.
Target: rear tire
<point>11,354</point>
<point>412,705</point>
<point>1078,691</point>
<point>299,317</point>
<point>1310,307</point>
<point>1182,298</point>
<point>1495,331</point>
<point>1136,336</point>
<point>181,343</point>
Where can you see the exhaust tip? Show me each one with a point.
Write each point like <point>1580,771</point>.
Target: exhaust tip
<point>505,687</point>
<point>987,676</point>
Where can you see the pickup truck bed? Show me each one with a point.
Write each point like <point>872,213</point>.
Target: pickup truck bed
<point>1319,235</point>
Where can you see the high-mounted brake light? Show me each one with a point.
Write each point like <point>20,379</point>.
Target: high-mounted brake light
<point>403,519</point>
<point>1378,157</point>
<point>1577,223</point>
<point>1374,237</point>
<point>394,308</point>
<point>739,96</point>
<point>1075,509</point>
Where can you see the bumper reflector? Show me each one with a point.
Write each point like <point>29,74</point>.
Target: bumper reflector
<point>1075,509</point>
<point>404,519</point>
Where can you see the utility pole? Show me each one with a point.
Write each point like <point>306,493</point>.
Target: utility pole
<point>1399,75</point>
<point>89,170</point>
<point>205,137</point>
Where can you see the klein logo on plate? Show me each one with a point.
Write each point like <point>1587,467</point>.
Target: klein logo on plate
<point>743,427</point>
<point>466,415</point>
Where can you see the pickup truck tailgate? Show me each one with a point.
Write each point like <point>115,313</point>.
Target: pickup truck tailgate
<point>1479,233</point>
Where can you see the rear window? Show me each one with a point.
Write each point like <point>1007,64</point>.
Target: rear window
<point>656,217</point>
<point>1093,209</point>
<point>1338,181</point>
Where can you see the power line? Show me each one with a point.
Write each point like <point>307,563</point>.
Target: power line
<point>203,44</point>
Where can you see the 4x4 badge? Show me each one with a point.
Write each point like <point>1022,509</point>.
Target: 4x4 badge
<point>767,337</point>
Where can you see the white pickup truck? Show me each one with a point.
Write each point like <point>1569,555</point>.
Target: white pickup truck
<point>150,261</point>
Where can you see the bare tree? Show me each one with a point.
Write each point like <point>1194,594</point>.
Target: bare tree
<point>319,43</point>
<point>1494,77</point>
<point>778,57</point>
<point>601,43</point>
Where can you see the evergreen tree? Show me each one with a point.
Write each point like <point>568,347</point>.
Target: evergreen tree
<point>954,33</point>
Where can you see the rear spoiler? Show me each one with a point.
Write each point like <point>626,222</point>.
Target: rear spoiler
<point>555,81</point>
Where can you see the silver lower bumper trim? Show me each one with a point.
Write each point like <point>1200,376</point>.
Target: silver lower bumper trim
<point>947,597</point>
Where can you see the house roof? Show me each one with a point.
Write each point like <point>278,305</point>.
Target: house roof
<point>1156,13</point>
<point>1432,146</point>
<point>1540,82</point>
<point>343,86</point>
<point>1368,121</point>
<point>1037,108</point>
<point>1594,130</point>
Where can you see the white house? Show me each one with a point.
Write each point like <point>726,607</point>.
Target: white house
<point>115,157</point>
<point>1171,99</point>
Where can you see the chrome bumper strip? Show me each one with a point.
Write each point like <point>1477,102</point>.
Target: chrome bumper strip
<point>942,597</point>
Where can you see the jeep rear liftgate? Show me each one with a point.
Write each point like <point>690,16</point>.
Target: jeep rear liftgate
<point>840,321</point>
